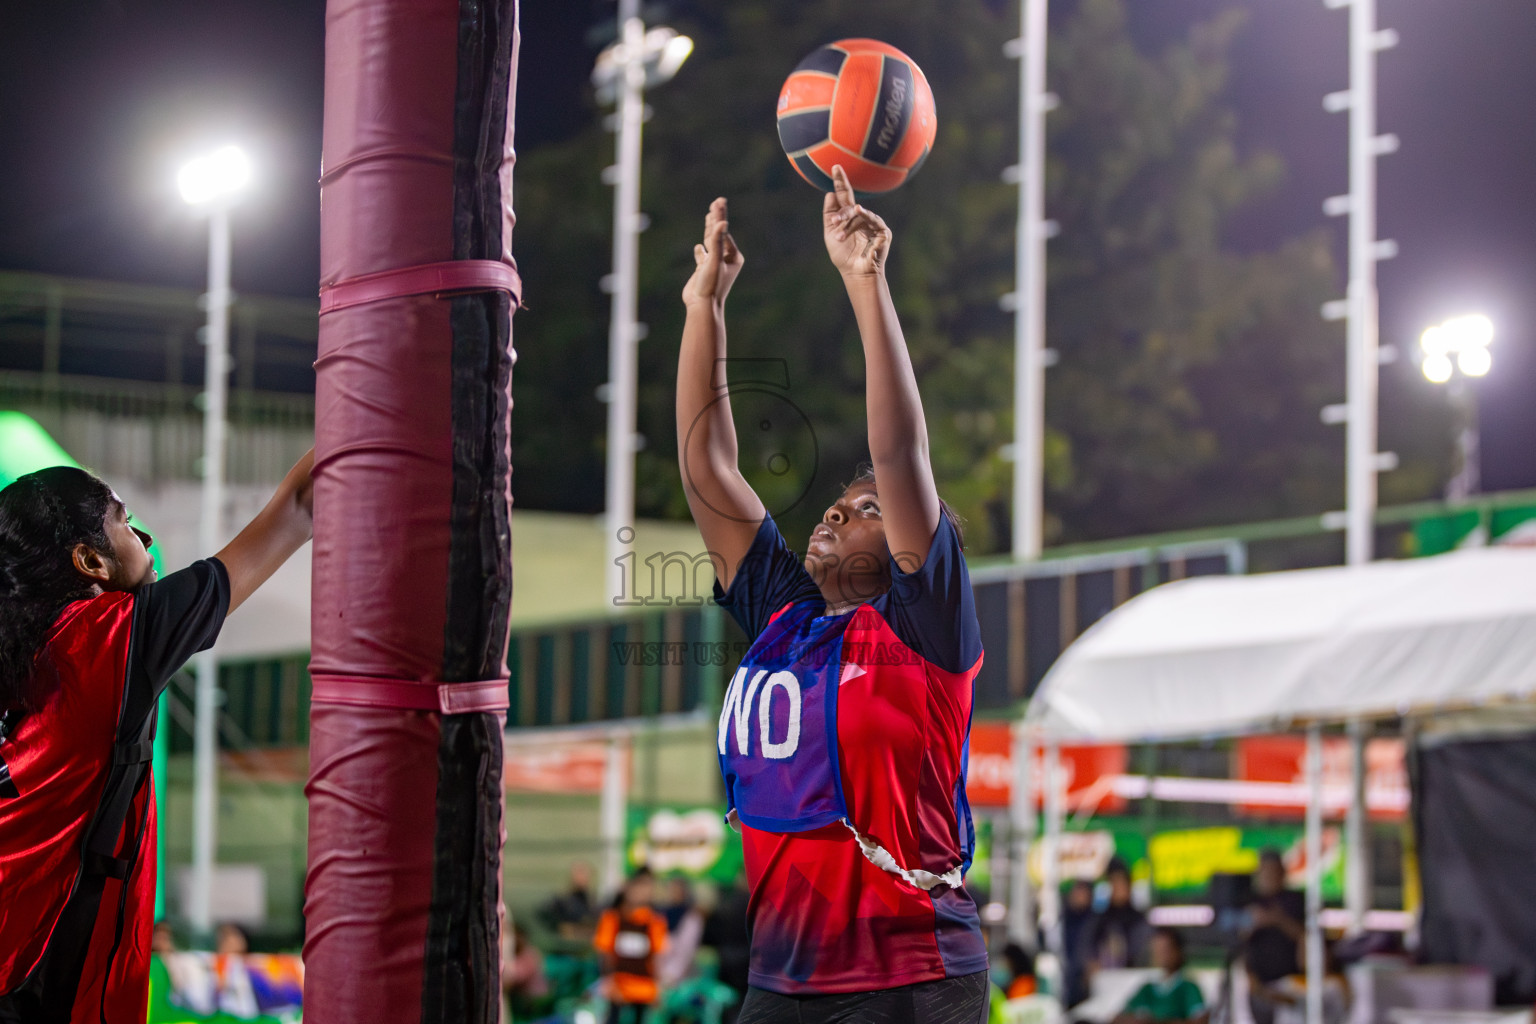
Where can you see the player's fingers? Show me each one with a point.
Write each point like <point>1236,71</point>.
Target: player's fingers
<point>873,221</point>
<point>841,186</point>
<point>829,206</point>
<point>699,255</point>
<point>716,235</point>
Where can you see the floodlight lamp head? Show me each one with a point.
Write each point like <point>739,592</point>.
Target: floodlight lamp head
<point>666,51</point>
<point>1460,343</point>
<point>1437,368</point>
<point>218,177</point>
<point>1475,362</point>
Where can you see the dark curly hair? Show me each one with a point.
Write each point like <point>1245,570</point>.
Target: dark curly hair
<point>43,516</point>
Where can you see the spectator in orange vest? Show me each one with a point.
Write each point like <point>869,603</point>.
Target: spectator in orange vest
<point>629,937</point>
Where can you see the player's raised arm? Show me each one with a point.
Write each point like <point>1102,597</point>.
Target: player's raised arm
<point>725,508</point>
<point>859,242</point>
<point>279,529</point>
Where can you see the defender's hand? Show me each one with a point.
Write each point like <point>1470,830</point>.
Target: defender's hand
<point>857,241</point>
<point>716,260</point>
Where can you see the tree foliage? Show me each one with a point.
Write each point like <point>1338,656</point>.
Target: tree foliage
<point>1190,375</point>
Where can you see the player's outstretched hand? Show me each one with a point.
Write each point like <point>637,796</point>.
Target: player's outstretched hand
<point>858,241</point>
<point>716,260</point>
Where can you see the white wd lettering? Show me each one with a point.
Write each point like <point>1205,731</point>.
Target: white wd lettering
<point>738,709</point>
<point>737,713</point>
<point>778,751</point>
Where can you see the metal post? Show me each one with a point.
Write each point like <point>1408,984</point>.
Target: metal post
<point>612,812</point>
<point>1314,846</point>
<point>205,728</point>
<point>1050,889</point>
<point>1362,461</point>
<point>1357,841</point>
<point>1029,287</point>
<point>1361,365</point>
<point>1021,831</point>
<point>623,333</point>
<point>1468,478</point>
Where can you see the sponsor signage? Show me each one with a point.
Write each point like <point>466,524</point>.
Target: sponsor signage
<point>574,767</point>
<point>1090,772</point>
<point>1282,759</point>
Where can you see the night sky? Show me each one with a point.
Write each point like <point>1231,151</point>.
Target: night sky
<point>100,100</point>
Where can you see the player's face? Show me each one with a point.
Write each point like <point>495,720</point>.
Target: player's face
<point>133,567</point>
<point>847,555</point>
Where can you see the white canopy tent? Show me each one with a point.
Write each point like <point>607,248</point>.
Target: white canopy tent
<point>1219,655</point>
<point>1226,655</point>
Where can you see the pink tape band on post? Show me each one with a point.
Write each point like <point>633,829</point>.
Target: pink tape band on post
<point>451,277</point>
<point>411,694</point>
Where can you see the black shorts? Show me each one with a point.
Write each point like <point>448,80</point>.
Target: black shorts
<point>960,1000</point>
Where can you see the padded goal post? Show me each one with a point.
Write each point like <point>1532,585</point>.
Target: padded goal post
<point>412,551</point>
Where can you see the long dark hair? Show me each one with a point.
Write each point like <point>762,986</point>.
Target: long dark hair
<point>43,515</point>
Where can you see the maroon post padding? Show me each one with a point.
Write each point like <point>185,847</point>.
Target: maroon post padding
<point>384,476</point>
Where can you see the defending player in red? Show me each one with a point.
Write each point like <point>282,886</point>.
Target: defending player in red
<point>843,737</point>
<point>88,640</point>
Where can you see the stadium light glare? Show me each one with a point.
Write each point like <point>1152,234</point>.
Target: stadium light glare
<point>1474,362</point>
<point>220,175</point>
<point>1460,343</point>
<point>674,52</point>
<point>1438,368</point>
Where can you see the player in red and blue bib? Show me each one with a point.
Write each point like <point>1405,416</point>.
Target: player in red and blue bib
<point>843,737</point>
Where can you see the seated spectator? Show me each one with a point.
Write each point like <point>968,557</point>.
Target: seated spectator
<point>1021,972</point>
<point>522,972</point>
<point>1274,934</point>
<point>162,940</point>
<point>684,936</point>
<point>1171,998</point>
<point>1288,995</point>
<point>1077,919</point>
<point>230,940</point>
<point>570,914</point>
<point>1117,936</point>
<point>630,936</point>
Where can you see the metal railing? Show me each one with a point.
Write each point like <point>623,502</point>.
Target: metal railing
<point>139,430</point>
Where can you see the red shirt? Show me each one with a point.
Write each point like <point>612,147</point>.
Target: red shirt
<point>58,760</point>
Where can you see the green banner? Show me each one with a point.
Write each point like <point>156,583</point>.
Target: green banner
<point>1176,864</point>
<point>682,839</point>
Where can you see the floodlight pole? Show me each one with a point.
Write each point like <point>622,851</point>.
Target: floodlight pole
<point>1028,297</point>
<point>1027,300</point>
<point>205,728</point>
<point>623,328</point>
<point>1363,357</point>
<point>1360,307</point>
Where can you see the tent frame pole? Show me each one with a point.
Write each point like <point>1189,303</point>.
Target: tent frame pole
<point>1021,831</point>
<point>1050,889</point>
<point>1357,838</point>
<point>1314,847</point>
